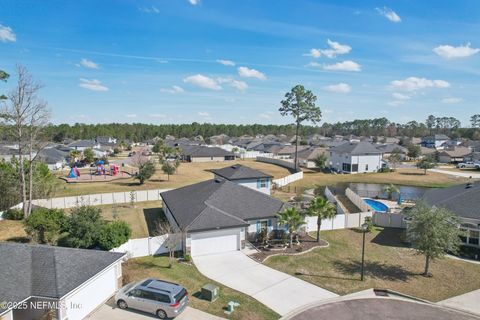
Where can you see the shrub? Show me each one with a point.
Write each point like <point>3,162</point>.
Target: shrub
<point>113,234</point>
<point>369,222</point>
<point>13,214</point>
<point>83,227</point>
<point>45,225</point>
<point>187,258</point>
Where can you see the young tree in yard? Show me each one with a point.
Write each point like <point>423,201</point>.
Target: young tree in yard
<point>300,104</point>
<point>432,232</point>
<point>26,116</point>
<point>293,219</point>
<point>390,190</point>
<point>322,209</point>
<point>426,163</point>
<point>113,234</point>
<point>168,169</point>
<point>145,172</point>
<point>45,225</point>
<point>173,238</point>
<point>3,77</point>
<point>414,151</point>
<point>83,226</point>
<point>395,157</point>
<point>320,161</point>
<point>88,155</point>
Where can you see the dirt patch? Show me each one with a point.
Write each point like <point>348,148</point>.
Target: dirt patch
<point>307,243</point>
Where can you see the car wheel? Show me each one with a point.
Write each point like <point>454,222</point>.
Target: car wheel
<point>161,314</point>
<point>122,304</point>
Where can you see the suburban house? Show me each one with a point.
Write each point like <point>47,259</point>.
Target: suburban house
<point>390,148</point>
<point>54,158</point>
<point>464,201</point>
<point>435,141</point>
<point>288,152</point>
<point>205,154</point>
<point>70,282</point>
<point>245,176</point>
<point>219,215</point>
<point>81,145</point>
<point>306,157</point>
<point>454,155</point>
<point>361,157</point>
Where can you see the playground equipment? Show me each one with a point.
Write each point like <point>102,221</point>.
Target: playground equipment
<point>74,173</point>
<point>102,170</point>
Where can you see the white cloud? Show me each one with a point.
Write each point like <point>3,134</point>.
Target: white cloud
<point>334,50</point>
<point>266,115</point>
<point>451,100</point>
<point>347,65</point>
<point>173,90</point>
<point>450,52</point>
<point>94,85</point>
<point>7,34</point>
<point>204,114</point>
<point>389,14</point>
<point>194,2</point>
<point>89,64</point>
<point>226,62</point>
<point>400,96</point>
<point>131,115</point>
<point>339,88</point>
<point>414,84</point>
<point>396,103</point>
<point>157,115</point>
<point>203,82</point>
<point>251,73</point>
<point>151,9</point>
<point>239,85</point>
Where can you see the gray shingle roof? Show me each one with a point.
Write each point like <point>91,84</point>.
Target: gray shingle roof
<point>47,271</point>
<point>203,151</point>
<point>463,201</point>
<point>357,148</point>
<point>216,204</point>
<point>52,155</point>
<point>239,172</point>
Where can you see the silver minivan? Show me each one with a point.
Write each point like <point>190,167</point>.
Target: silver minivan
<point>162,298</point>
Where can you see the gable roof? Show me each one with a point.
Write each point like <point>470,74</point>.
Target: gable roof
<point>47,271</point>
<point>438,136</point>
<point>456,152</point>
<point>52,155</point>
<point>311,153</point>
<point>83,144</point>
<point>462,200</point>
<point>360,148</point>
<point>203,151</point>
<point>240,172</point>
<point>218,203</point>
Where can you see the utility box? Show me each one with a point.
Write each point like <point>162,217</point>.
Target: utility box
<point>210,292</point>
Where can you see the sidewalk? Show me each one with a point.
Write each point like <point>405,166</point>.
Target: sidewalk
<point>468,302</point>
<point>457,174</point>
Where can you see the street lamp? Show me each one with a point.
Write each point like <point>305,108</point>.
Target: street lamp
<point>364,231</point>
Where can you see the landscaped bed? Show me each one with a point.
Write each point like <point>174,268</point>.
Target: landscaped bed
<point>188,276</point>
<point>306,243</point>
<point>389,264</point>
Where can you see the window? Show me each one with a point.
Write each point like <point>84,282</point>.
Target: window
<point>473,237</point>
<point>346,167</point>
<point>366,167</point>
<point>354,167</point>
<point>263,183</point>
<point>179,296</point>
<point>160,297</point>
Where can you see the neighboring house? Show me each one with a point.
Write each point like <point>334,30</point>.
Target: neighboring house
<point>454,155</point>
<point>106,140</point>
<point>306,157</point>
<point>361,157</point>
<point>77,281</point>
<point>245,176</point>
<point>435,141</point>
<point>288,152</point>
<point>54,158</point>
<point>389,148</point>
<point>81,145</point>
<point>218,215</point>
<point>205,154</point>
<point>464,201</point>
<point>424,151</point>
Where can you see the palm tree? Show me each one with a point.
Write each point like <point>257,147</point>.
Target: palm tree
<point>291,218</point>
<point>322,209</point>
<point>390,190</point>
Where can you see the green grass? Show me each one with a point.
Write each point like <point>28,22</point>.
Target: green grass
<point>388,265</point>
<point>188,276</point>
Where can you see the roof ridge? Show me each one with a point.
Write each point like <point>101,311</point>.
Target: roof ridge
<point>224,212</point>
<point>469,190</point>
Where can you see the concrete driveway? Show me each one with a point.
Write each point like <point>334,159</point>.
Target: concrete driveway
<point>111,312</point>
<point>277,290</point>
<point>466,302</point>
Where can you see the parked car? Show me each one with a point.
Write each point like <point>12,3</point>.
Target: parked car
<point>469,165</point>
<point>162,298</point>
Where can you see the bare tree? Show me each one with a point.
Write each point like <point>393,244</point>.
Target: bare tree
<point>172,240</point>
<point>140,158</point>
<point>26,115</point>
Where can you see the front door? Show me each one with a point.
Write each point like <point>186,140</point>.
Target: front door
<point>264,225</point>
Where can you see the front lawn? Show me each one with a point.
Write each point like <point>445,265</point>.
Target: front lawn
<point>388,265</point>
<point>192,280</point>
<point>12,230</point>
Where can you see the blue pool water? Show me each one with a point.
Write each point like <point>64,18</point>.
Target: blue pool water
<point>376,205</point>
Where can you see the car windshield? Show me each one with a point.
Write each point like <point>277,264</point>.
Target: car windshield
<point>180,295</point>
<point>129,286</point>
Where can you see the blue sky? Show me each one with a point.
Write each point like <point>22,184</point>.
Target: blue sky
<point>179,61</point>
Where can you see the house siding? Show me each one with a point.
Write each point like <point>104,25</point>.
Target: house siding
<point>366,163</point>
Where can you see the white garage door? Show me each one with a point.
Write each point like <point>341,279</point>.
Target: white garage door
<point>88,298</point>
<point>214,241</point>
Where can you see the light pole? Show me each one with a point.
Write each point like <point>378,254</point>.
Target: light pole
<point>364,230</point>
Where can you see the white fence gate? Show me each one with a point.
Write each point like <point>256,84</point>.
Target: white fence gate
<point>150,246</point>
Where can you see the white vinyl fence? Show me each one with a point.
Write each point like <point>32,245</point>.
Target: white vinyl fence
<point>150,246</point>
<point>288,179</point>
<point>100,199</point>
<point>357,200</point>
<point>332,198</point>
<point>341,221</point>
<point>389,220</point>
<point>279,162</point>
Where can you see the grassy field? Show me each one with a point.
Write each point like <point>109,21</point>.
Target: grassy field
<point>141,218</point>
<point>388,265</point>
<point>188,173</point>
<point>12,230</point>
<point>188,276</point>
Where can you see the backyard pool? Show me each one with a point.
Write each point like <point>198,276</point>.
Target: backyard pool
<point>376,205</point>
